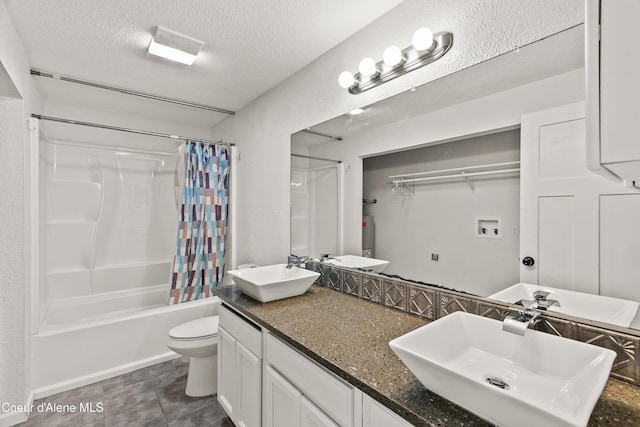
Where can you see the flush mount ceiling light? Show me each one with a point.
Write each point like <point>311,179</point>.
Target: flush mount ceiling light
<point>425,48</point>
<point>174,46</point>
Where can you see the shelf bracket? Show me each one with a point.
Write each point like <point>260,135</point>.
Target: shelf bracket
<point>469,182</point>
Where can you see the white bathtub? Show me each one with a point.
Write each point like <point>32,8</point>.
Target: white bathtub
<point>85,340</point>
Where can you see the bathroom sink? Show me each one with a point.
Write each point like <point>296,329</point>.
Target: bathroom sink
<point>595,307</point>
<point>510,380</point>
<point>273,282</point>
<point>355,261</point>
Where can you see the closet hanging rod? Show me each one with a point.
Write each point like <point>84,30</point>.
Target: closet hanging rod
<point>315,158</point>
<point>121,129</point>
<point>468,168</point>
<point>39,73</point>
<point>457,175</point>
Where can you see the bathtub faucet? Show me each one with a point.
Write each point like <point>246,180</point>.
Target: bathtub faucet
<point>296,260</point>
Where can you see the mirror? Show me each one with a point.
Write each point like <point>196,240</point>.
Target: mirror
<point>435,170</point>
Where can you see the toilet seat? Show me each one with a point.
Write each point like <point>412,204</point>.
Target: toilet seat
<point>199,329</point>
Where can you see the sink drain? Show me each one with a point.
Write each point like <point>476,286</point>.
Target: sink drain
<point>498,382</point>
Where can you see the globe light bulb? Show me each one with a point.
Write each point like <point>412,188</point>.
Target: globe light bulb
<point>392,56</point>
<point>346,79</point>
<point>368,67</point>
<point>422,39</point>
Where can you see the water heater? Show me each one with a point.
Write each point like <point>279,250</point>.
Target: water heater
<point>368,236</point>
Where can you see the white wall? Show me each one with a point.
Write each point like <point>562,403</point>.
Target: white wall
<point>439,218</point>
<point>482,29</point>
<point>15,228</point>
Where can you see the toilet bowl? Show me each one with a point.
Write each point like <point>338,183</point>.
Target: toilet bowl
<point>198,339</point>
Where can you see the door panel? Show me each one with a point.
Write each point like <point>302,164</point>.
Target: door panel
<point>555,241</point>
<point>312,416</point>
<point>560,200</point>
<point>250,386</point>
<point>620,246</point>
<point>282,401</point>
<point>226,372</point>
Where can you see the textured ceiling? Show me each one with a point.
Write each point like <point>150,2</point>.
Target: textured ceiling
<point>250,45</point>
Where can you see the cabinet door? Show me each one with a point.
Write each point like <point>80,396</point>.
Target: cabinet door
<point>619,88</point>
<point>227,372</point>
<point>282,401</point>
<point>312,416</point>
<point>249,383</point>
<point>376,415</point>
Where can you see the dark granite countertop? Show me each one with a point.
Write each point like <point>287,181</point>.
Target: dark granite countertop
<point>349,336</point>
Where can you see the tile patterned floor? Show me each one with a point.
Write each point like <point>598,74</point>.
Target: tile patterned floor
<point>152,396</point>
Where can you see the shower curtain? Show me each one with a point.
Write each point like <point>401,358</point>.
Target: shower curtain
<point>198,264</point>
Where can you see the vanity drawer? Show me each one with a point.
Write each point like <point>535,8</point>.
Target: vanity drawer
<point>245,331</point>
<point>324,389</point>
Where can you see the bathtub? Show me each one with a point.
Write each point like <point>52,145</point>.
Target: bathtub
<point>88,339</point>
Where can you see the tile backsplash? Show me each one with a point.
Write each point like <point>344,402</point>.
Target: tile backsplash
<point>433,302</point>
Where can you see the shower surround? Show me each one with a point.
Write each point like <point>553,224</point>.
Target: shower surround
<point>108,219</point>
<point>110,224</point>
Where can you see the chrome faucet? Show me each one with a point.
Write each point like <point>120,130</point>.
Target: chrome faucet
<point>521,317</point>
<point>296,260</point>
<point>324,257</point>
<point>542,302</point>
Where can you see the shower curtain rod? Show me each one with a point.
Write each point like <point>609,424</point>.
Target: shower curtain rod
<point>121,129</point>
<point>130,92</point>
<point>313,132</point>
<point>316,158</point>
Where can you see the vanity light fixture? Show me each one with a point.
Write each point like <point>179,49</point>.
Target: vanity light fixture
<point>425,48</point>
<point>174,46</point>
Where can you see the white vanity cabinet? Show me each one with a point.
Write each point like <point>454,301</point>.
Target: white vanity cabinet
<point>299,392</point>
<point>239,368</point>
<point>264,381</point>
<point>613,88</point>
<point>377,415</point>
<point>286,406</point>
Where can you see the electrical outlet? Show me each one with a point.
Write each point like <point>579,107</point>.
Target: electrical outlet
<point>434,257</point>
<point>515,232</point>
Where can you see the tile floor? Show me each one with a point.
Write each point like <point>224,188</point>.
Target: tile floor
<point>152,396</point>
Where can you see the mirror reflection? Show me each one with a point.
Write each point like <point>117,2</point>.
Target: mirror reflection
<point>429,182</point>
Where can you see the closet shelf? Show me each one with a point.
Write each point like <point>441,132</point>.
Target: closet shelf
<point>72,222</point>
<point>76,270</point>
<point>74,182</point>
<point>401,181</point>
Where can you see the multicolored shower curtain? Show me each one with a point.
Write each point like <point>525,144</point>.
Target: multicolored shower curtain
<point>198,265</point>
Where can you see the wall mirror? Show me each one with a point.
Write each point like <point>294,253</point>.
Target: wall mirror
<point>429,180</point>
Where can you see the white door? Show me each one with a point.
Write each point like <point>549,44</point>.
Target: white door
<point>227,372</point>
<point>249,383</point>
<point>560,202</point>
<point>282,401</point>
<point>312,416</point>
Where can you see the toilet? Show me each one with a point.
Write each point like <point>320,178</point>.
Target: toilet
<point>198,339</point>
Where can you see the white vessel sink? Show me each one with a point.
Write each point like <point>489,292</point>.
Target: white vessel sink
<point>355,261</point>
<point>595,307</point>
<point>552,381</point>
<point>273,282</point>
